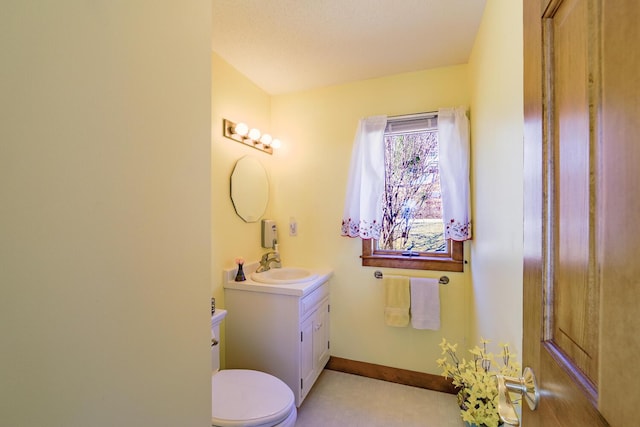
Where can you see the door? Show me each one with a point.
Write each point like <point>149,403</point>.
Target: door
<point>582,209</point>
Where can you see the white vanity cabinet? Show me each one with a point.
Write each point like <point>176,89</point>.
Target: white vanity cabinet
<point>286,335</point>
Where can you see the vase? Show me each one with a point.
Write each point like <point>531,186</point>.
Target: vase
<point>240,274</point>
<point>468,424</point>
<point>462,403</point>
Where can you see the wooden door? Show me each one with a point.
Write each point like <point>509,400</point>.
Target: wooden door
<point>582,209</point>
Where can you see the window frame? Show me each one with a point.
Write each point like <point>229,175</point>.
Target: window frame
<point>452,260</point>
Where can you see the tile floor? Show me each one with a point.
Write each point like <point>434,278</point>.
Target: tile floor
<point>346,400</point>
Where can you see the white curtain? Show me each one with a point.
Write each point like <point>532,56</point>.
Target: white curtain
<point>453,141</point>
<point>365,187</point>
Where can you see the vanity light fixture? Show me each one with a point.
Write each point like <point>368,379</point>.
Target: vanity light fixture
<point>252,137</point>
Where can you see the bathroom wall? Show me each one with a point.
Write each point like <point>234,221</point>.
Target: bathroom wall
<point>319,127</point>
<point>308,177</point>
<point>235,98</point>
<point>105,217</point>
<point>497,175</point>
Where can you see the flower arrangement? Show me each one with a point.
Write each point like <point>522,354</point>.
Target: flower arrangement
<point>476,380</point>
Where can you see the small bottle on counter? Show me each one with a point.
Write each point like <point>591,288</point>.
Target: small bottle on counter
<point>240,274</point>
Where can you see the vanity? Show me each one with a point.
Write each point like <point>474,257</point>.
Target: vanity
<point>279,323</point>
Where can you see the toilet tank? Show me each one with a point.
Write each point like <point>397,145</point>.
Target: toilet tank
<point>215,337</point>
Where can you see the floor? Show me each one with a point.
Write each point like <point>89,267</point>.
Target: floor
<point>345,400</point>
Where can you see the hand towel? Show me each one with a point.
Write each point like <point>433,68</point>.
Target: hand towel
<point>425,303</point>
<point>397,300</point>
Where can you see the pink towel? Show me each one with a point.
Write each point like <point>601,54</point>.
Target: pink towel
<point>425,303</point>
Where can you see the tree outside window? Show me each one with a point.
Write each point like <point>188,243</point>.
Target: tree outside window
<point>412,207</point>
<point>412,225</point>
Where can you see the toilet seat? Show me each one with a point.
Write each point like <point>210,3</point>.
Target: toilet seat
<point>249,398</point>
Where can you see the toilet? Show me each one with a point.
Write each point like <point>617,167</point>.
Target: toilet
<point>247,398</point>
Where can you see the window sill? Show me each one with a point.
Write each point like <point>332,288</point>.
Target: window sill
<point>446,262</point>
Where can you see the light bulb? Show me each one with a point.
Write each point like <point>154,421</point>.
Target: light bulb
<point>276,143</point>
<point>241,129</point>
<point>266,139</point>
<point>254,134</point>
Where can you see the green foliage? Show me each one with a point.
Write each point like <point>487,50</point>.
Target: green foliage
<point>476,379</point>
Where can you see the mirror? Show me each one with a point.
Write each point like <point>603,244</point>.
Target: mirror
<point>249,189</point>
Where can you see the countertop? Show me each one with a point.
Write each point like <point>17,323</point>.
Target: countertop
<point>296,289</point>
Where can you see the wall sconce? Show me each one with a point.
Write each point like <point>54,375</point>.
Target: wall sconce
<point>240,132</point>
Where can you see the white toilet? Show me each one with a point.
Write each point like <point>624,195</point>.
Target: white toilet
<point>247,398</point>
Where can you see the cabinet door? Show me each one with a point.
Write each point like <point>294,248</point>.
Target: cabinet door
<point>306,355</point>
<point>321,337</point>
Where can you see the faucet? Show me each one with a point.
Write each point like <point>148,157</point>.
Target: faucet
<point>269,258</point>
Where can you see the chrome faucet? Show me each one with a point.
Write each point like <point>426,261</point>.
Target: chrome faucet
<point>266,261</point>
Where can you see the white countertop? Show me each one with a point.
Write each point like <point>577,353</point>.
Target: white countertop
<point>296,289</point>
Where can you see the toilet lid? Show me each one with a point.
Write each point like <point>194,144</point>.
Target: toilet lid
<point>249,398</point>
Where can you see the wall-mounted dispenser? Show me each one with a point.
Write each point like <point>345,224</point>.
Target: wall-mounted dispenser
<point>269,233</point>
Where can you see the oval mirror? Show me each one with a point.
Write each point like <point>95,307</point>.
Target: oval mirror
<point>249,189</point>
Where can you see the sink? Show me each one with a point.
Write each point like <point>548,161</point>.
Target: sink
<point>284,276</point>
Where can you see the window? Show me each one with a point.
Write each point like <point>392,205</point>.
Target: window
<point>412,226</point>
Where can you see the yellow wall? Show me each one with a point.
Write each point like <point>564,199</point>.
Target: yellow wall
<point>108,214</point>
<point>234,98</point>
<point>105,217</point>
<point>497,181</point>
<point>319,127</point>
<point>308,177</point>
<point>237,99</point>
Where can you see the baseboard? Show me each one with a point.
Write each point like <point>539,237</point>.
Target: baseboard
<point>394,375</point>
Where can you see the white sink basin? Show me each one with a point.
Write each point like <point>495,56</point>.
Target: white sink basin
<point>284,276</point>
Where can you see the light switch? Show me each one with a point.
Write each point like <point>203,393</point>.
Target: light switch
<point>293,227</point>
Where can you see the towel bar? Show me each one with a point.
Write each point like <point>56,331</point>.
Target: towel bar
<point>444,280</point>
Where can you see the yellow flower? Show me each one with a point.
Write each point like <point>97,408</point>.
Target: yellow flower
<point>476,379</point>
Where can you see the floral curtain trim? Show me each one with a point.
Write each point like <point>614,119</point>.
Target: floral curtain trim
<point>363,229</point>
<point>458,231</point>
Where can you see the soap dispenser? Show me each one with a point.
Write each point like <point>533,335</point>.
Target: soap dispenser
<point>269,234</point>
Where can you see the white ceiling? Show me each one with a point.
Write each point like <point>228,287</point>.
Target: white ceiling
<point>291,45</point>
